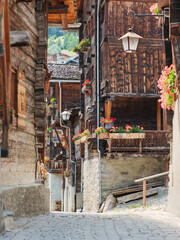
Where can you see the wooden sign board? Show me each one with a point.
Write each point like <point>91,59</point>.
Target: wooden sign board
<point>21,101</point>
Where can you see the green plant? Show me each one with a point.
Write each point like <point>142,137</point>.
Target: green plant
<point>49,130</point>
<point>107,120</point>
<point>166,84</point>
<point>100,130</point>
<point>128,129</point>
<point>53,100</point>
<point>12,111</point>
<point>76,137</point>
<point>85,133</point>
<point>49,106</point>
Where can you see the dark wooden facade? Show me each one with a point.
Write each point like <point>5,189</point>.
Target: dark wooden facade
<point>128,81</point>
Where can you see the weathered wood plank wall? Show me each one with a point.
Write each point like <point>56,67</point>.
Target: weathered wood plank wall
<point>130,73</point>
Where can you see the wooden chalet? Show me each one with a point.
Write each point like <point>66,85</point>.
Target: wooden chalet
<point>24,81</point>
<point>65,88</point>
<point>128,91</point>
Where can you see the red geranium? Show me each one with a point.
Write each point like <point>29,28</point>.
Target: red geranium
<point>86,82</point>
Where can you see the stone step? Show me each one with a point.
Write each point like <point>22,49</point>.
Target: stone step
<point>8,220</point>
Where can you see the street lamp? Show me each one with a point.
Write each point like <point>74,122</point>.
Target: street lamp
<point>65,115</point>
<point>130,41</point>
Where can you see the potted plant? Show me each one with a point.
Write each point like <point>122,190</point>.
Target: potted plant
<point>102,133</point>
<point>166,84</point>
<point>76,139</point>
<point>53,102</point>
<point>154,10</point>
<point>12,116</point>
<point>45,176</point>
<point>86,89</point>
<point>64,142</point>
<point>84,136</point>
<point>108,122</point>
<point>76,49</point>
<point>66,173</point>
<point>84,45</point>
<point>135,132</point>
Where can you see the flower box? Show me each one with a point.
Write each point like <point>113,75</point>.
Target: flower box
<point>127,135</point>
<point>64,144</point>
<point>104,135</point>
<point>77,142</point>
<point>84,139</point>
<point>85,48</point>
<point>87,89</point>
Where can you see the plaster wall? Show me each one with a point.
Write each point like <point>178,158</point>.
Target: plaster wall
<point>174,183</point>
<point>55,182</point>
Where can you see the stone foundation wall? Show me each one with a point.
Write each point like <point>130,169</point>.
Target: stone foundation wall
<point>122,171</point>
<point>27,200</point>
<point>91,185</point>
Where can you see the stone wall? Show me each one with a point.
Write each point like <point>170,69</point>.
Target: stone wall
<point>174,183</point>
<point>122,171</point>
<point>91,184</point>
<point>27,200</point>
<point>115,173</point>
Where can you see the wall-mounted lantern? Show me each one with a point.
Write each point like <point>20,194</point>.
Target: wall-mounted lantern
<point>130,41</point>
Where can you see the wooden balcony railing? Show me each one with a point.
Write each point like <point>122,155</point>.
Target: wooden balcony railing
<point>154,141</point>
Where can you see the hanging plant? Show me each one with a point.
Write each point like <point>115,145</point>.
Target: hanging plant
<point>166,84</point>
<point>86,82</point>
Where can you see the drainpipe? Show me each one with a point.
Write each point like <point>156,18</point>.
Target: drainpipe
<point>82,184</point>
<point>98,94</point>
<point>70,143</point>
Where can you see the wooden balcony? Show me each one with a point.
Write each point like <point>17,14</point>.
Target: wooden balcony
<point>153,142</point>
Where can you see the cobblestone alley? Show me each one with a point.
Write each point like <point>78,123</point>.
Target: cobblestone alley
<point>129,224</point>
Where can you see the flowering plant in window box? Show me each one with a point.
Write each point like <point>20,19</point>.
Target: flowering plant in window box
<point>166,84</point>
<point>102,132</point>
<point>76,49</point>
<point>64,142</point>
<point>12,111</point>
<point>12,116</point>
<point>84,136</point>
<point>135,132</point>
<point>84,45</point>
<point>108,122</point>
<point>87,82</point>
<point>46,160</point>
<point>66,173</point>
<point>86,89</point>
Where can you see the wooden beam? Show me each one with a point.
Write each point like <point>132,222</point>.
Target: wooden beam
<point>64,21</point>
<point>158,116</point>
<point>108,108</point>
<point>1,27</point>
<point>59,9</point>
<point>164,119</point>
<point>20,38</point>
<point>5,67</point>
